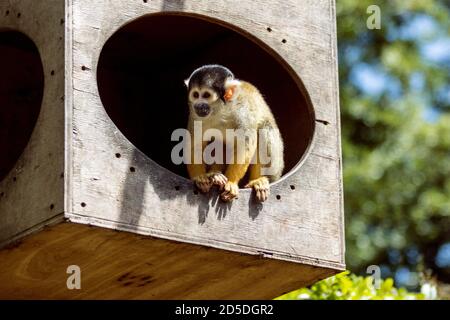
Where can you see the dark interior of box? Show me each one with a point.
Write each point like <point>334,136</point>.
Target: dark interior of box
<point>140,79</point>
<point>21,91</point>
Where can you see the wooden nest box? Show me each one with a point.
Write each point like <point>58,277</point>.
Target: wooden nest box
<point>90,94</point>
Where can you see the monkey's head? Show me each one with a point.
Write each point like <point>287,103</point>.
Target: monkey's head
<point>210,87</point>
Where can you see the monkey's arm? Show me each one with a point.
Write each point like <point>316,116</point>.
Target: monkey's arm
<point>264,171</point>
<point>196,165</point>
<point>234,173</point>
<point>197,168</point>
<point>237,169</point>
<point>197,171</point>
<point>257,181</point>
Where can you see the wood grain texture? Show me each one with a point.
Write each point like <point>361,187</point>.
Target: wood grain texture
<point>119,265</point>
<point>304,224</point>
<point>32,192</point>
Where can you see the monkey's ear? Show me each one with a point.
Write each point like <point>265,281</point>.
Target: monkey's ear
<point>186,83</point>
<point>231,86</point>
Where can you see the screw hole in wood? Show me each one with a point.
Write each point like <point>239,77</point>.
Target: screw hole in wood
<point>324,122</point>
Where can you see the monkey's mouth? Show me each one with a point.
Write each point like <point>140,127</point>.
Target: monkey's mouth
<point>202,113</point>
<point>202,110</point>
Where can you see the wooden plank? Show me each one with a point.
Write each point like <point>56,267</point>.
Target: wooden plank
<point>303,222</point>
<point>304,225</point>
<point>68,106</point>
<point>119,265</point>
<point>33,190</point>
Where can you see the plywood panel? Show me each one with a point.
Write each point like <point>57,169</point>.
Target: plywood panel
<point>119,265</point>
<point>301,221</point>
<point>32,193</point>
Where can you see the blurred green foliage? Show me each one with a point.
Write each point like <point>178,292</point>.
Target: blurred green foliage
<point>346,286</point>
<point>395,106</point>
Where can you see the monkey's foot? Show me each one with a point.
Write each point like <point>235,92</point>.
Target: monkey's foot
<point>230,192</point>
<point>218,179</point>
<point>203,182</point>
<point>261,186</point>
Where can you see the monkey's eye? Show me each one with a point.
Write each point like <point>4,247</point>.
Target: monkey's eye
<point>206,95</point>
<point>195,94</point>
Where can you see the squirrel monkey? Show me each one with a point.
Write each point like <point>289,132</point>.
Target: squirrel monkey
<point>219,101</point>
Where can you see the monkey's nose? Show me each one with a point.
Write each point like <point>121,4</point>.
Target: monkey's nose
<point>202,109</point>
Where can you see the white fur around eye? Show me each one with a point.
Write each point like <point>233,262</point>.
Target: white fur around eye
<point>194,95</point>
<point>210,95</point>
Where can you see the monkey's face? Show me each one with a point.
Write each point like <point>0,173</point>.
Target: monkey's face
<point>207,88</point>
<point>203,101</point>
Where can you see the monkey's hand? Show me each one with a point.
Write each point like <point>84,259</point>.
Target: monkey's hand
<point>261,186</point>
<point>203,182</point>
<point>230,191</point>
<point>218,178</point>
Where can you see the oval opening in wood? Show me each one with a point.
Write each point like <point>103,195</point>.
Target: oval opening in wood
<point>21,92</point>
<point>141,72</point>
